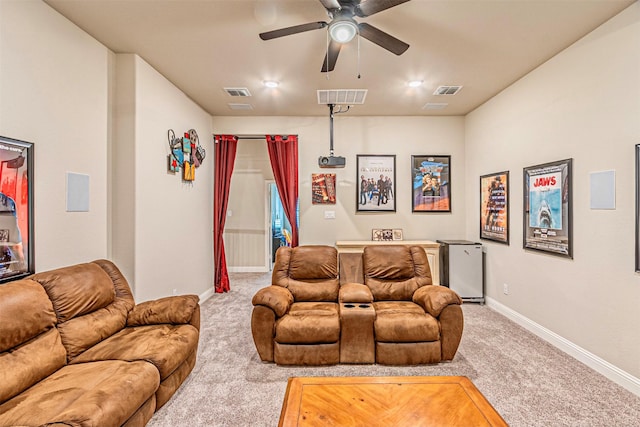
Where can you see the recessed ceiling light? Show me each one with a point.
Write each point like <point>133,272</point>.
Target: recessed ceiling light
<point>415,83</point>
<point>270,83</point>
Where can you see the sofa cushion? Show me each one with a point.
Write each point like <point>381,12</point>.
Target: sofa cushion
<point>404,321</point>
<point>17,324</point>
<point>165,346</point>
<point>309,323</point>
<point>309,272</point>
<point>77,290</point>
<point>96,394</point>
<point>91,302</point>
<point>30,346</point>
<point>395,272</point>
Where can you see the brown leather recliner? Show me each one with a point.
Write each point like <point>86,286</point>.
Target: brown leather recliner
<point>416,322</point>
<point>295,321</point>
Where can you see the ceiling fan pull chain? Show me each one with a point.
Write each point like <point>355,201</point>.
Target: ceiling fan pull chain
<point>358,54</point>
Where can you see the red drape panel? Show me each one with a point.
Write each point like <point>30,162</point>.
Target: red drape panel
<point>283,154</point>
<point>225,156</point>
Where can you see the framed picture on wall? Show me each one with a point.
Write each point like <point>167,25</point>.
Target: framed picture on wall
<point>376,191</point>
<point>548,208</point>
<point>323,188</point>
<point>431,183</point>
<point>494,207</point>
<point>16,209</point>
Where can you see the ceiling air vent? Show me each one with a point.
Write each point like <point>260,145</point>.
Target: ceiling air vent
<point>240,106</point>
<point>435,106</point>
<point>447,90</point>
<point>237,91</point>
<point>342,96</point>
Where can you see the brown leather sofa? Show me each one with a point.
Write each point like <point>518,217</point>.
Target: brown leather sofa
<point>75,349</point>
<point>396,317</point>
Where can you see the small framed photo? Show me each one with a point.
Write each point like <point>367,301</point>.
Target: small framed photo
<point>431,183</point>
<point>494,207</point>
<point>376,179</point>
<point>382,234</point>
<point>548,208</point>
<point>397,234</point>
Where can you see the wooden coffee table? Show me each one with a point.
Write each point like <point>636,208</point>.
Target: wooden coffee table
<point>386,401</point>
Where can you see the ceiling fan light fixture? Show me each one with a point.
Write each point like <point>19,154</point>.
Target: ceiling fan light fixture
<point>343,30</point>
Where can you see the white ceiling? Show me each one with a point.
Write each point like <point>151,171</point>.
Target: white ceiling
<point>203,46</point>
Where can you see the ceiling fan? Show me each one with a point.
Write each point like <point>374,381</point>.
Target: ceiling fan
<point>343,27</point>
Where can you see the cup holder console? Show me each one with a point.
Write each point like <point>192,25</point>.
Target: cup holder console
<point>357,344</point>
<point>354,306</point>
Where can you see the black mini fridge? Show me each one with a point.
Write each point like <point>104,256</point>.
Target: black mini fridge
<point>461,269</point>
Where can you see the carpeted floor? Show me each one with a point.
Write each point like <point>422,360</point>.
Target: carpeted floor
<point>528,381</point>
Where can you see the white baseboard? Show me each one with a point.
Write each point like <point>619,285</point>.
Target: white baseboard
<point>260,269</point>
<point>596,363</point>
<point>206,294</point>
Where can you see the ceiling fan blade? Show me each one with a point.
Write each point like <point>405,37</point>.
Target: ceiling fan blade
<point>292,30</point>
<point>331,57</point>
<point>330,4</point>
<point>382,39</point>
<point>370,7</point>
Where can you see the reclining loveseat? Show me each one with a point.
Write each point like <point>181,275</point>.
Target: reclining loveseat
<point>75,349</point>
<point>396,317</point>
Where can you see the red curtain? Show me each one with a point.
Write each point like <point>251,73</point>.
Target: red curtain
<point>283,154</point>
<point>225,156</point>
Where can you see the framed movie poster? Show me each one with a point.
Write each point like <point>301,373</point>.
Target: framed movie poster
<point>548,208</point>
<point>431,183</point>
<point>323,188</point>
<point>376,183</point>
<point>494,207</point>
<point>16,209</point>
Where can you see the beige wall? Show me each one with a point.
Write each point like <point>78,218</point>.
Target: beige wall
<point>582,104</point>
<point>163,230</point>
<point>54,93</point>
<point>402,136</point>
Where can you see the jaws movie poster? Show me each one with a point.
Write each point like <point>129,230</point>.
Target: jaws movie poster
<point>548,207</point>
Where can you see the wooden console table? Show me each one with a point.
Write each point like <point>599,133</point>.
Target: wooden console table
<point>350,256</point>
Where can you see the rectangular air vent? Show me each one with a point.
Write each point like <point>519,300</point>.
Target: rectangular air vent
<point>342,96</point>
<point>447,90</point>
<point>240,106</point>
<point>237,91</point>
<point>435,106</point>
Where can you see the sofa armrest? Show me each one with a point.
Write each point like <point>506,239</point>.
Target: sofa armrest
<point>277,298</point>
<point>175,310</point>
<point>433,299</point>
<point>355,292</point>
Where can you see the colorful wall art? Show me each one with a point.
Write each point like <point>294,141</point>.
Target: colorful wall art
<point>186,153</point>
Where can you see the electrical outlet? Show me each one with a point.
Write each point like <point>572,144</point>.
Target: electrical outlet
<point>505,288</point>
<point>175,292</point>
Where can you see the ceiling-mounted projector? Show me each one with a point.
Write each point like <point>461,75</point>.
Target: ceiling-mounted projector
<point>332,162</point>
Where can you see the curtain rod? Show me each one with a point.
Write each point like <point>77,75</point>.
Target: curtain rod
<point>256,136</point>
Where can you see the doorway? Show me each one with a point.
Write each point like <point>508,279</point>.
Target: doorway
<point>278,225</point>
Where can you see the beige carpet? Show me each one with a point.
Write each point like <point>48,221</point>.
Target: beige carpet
<point>528,381</point>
